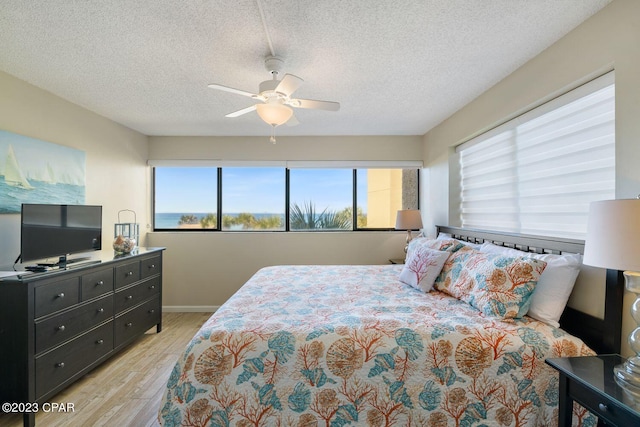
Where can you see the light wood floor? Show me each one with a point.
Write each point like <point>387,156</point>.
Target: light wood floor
<point>125,390</point>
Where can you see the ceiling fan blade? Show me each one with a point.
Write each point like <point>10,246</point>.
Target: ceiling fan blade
<point>293,121</point>
<point>241,112</point>
<point>289,84</point>
<point>232,90</point>
<point>318,105</point>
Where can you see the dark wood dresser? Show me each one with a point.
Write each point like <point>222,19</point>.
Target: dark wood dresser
<point>58,325</point>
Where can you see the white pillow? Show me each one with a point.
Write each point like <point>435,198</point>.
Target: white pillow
<point>554,285</point>
<point>422,266</point>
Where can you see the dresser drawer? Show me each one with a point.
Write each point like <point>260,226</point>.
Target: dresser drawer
<point>59,365</point>
<point>150,267</point>
<point>135,322</point>
<point>127,274</point>
<point>134,295</point>
<point>64,326</point>
<point>97,283</point>
<point>56,296</point>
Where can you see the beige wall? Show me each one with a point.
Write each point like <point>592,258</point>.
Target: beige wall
<point>287,148</point>
<point>609,40</point>
<point>116,171</point>
<point>203,269</point>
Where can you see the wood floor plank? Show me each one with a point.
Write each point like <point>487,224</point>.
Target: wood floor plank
<point>127,389</point>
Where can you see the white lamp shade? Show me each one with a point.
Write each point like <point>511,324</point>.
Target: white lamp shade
<point>274,114</point>
<point>408,219</point>
<point>613,235</point>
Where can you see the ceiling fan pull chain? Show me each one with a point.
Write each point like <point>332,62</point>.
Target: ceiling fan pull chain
<point>273,135</point>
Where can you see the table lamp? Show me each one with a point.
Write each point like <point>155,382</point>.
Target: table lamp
<point>613,241</point>
<point>408,219</point>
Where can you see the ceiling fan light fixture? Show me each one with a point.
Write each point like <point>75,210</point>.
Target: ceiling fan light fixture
<point>274,114</point>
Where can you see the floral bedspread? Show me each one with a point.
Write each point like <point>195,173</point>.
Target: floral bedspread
<point>351,345</point>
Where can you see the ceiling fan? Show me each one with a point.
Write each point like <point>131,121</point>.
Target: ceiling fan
<point>275,99</point>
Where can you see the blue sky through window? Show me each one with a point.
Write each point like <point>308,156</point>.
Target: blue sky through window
<point>186,190</point>
<point>253,190</point>
<point>256,190</point>
<point>325,188</point>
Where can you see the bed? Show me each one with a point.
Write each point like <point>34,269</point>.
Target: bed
<point>312,345</point>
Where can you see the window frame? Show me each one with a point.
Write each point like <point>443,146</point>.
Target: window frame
<point>287,198</point>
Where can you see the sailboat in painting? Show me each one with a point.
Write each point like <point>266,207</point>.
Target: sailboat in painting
<point>13,174</point>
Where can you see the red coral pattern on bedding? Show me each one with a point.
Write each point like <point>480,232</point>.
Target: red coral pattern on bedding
<point>352,345</point>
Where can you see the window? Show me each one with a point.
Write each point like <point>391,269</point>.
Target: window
<point>538,173</point>
<point>321,199</point>
<point>253,198</point>
<point>382,193</point>
<point>272,197</point>
<point>185,198</point>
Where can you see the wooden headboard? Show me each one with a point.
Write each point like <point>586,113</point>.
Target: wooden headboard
<point>602,335</point>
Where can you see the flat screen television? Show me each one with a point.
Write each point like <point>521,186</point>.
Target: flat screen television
<point>59,230</point>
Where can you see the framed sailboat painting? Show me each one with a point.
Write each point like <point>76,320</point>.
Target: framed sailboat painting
<point>35,171</point>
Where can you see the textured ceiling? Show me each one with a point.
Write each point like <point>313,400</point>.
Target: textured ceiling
<point>397,67</point>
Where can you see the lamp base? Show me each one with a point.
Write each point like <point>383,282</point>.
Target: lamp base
<point>408,240</point>
<point>627,376</point>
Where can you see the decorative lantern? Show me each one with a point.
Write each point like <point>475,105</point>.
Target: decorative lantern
<point>127,234</point>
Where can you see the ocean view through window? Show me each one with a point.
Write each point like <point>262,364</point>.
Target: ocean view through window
<point>185,197</point>
<point>253,198</point>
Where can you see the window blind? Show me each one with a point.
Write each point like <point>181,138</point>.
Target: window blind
<point>537,174</point>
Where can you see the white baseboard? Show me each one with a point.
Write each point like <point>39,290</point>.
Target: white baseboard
<point>190,308</point>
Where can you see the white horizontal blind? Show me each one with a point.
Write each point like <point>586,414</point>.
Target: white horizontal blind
<point>538,173</point>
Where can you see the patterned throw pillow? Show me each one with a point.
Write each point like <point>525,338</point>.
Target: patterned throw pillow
<point>422,266</point>
<point>448,245</point>
<point>554,286</point>
<point>497,285</point>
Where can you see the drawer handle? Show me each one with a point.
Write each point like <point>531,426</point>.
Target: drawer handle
<point>152,266</point>
<point>603,407</point>
<point>128,325</point>
<point>129,296</point>
<point>130,273</point>
<point>152,311</point>
<point>152,287</point>
<point>60,328</point>
<point>101,310</point>
<point>60,295</point>
<point>60,365</point>
<point>100,283</point>
<point>100,342</point>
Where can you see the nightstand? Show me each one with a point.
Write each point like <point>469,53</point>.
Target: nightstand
<point>396,261</point>
<point>589,381</point>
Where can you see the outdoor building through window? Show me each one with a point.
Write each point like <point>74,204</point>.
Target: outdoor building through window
<point>382,193</point>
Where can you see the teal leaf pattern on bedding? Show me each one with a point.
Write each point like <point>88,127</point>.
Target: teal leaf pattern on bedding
<point>251,368</point>
<point>429,398</point>
<point>300,399</point>
<point>352,345</point>
<point>282,344</point>
<point>410,342</point>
